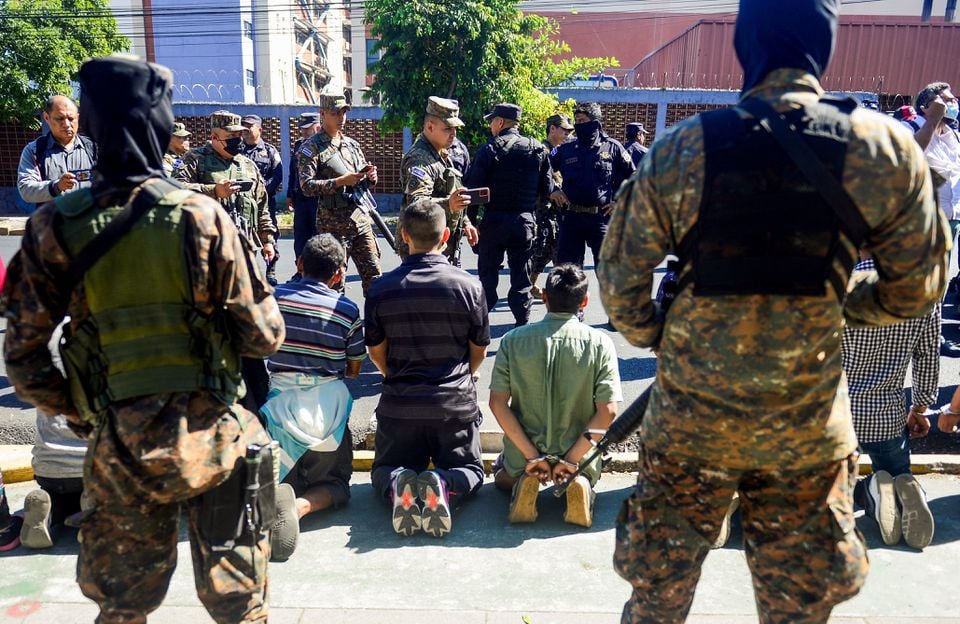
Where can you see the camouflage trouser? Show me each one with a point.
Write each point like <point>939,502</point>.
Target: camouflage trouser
<point>360,244</point>
<point>545,243</point>
<point>802,546</point>
<point>128,543</point>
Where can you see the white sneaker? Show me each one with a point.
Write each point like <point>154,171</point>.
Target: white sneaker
<point>916,521</point>
<point>36,521</point>
<point>882,506</point>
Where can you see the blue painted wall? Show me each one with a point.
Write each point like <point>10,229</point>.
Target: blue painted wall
<point>204,49</point>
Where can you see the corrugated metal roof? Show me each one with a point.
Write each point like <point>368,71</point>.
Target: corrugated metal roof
<point>875,55</point>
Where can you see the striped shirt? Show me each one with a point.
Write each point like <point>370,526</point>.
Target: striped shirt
<point>875,360</point>
<point>323,330</point>
<point>428,311</point>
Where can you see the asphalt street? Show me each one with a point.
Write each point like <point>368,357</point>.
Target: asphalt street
<point>637,366</point>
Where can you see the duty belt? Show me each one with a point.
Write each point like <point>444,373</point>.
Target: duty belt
<point>584,209</point>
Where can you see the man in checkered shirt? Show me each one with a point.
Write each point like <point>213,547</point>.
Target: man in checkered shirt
<point>875,360</point>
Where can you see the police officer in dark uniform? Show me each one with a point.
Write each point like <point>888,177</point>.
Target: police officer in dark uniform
<point>636,134</point>
<point>592,168</point>
<point>304,208</point>
<point>517,170</point>
<point>267,159</point>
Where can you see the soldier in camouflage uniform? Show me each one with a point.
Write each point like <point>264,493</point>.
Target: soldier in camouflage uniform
<point>427,171</point>
<point>559,128</point>
<point>179,145</point>
<point>330,165</point>
<point>173,301</point>
<point>750,395</point>
<point>213,169</point>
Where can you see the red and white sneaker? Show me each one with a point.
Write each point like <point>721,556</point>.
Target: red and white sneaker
<point>406,512</point>
<point>436,505</point>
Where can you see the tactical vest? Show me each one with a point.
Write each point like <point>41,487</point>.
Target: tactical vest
<point>763,228</point>
<point>211,169</point>
<point>587,172</point>
<point>515,179</point>
<point>143,335</point>
<point>348,162</point>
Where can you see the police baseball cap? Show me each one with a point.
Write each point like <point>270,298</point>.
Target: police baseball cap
<point>504,111</point>
<point>308,120</point>
<point>225,120</point>
<point>333,101</point>
<point>447,110</point>
<point>561,121</point>
<point>251,120</point>
<point>636,128</point>
<point>180,130</point>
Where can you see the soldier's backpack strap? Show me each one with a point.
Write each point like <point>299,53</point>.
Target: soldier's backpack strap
<point>149,196</point>
<point>851,221</point>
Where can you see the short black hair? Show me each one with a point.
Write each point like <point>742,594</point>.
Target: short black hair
<point>424,221</point>
<point>566,287</point>
<point>590,109</point>
<point>928,94</point>
<point>322,256</point>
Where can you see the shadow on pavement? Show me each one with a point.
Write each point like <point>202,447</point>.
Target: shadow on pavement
<point>479,523</point>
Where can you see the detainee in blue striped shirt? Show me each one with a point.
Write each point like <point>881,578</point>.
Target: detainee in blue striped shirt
<point>308,407</point>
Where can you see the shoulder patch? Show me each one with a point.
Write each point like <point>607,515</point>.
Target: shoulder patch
<point>418,172</point>
<point>306,151</point>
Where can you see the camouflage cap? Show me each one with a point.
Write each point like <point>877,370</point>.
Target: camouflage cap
<point>333,101</point>
<point>447,110</point>
<point>560,120</point>
<point>180,130</point>
<point>225,120</point>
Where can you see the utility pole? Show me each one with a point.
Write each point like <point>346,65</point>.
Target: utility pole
<point>951,10</point>
<point>927,10</point>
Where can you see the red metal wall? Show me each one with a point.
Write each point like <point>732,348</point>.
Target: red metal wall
<point>880,55</point>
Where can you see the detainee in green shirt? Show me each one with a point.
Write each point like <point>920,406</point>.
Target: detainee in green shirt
<point>552,381</point>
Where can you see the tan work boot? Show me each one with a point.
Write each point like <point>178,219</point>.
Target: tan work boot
<point>523,502</point>
<point>580,498</point>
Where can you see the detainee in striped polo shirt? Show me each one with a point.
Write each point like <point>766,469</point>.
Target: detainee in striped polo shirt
<point>308,407</point>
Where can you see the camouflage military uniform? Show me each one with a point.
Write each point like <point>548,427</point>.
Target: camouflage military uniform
<point>154,454</point>
<point>171,162</point>
<point>336,214</point>
<point>424,173</point>
<point>201,169</point>
<point>750,394</point>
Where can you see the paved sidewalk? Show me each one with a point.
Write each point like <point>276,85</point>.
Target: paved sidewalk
<point>350,567</point>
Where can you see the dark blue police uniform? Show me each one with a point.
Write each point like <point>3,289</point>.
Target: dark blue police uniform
<point>517,170</point>
<point>304,208</point>
<point>591,175</point>
<point>267,159</point>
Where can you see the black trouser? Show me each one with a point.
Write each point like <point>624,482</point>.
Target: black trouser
<point>453,447</point>
<point>64,496</point>
<point>510,232</point>
<point>272,265</point>
<point>257,381</point>
<point>304,222</point>
<point>578,229</point>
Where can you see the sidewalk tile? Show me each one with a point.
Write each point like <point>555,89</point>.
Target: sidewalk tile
<point>387,616</point>
<point>535,617</point>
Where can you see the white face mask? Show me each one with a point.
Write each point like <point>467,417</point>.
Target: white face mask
<point>953,110</point>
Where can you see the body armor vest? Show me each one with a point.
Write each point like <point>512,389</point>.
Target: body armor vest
<point>212,169</point>
<point>143,335</point>
<point>763,228</point>
<point>515,181</point>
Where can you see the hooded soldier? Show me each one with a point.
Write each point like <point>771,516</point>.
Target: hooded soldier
<point>750,402</point>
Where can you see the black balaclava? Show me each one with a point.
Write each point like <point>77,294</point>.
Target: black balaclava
<point>798,34</point>
<point>126,107</point>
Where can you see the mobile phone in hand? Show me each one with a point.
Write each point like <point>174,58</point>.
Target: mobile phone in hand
<point>478,196</point>
<point>245,185</point>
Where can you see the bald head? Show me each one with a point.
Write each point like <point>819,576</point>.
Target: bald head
<point>60,114</point>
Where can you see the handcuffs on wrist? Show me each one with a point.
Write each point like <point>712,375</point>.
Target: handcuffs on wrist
<point>553,460</point>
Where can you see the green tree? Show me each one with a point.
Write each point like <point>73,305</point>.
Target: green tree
<point>479,52</point>
<point>43,43</point>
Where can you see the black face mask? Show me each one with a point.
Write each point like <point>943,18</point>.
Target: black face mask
<point>233,145</point>
<point>588,132</point>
